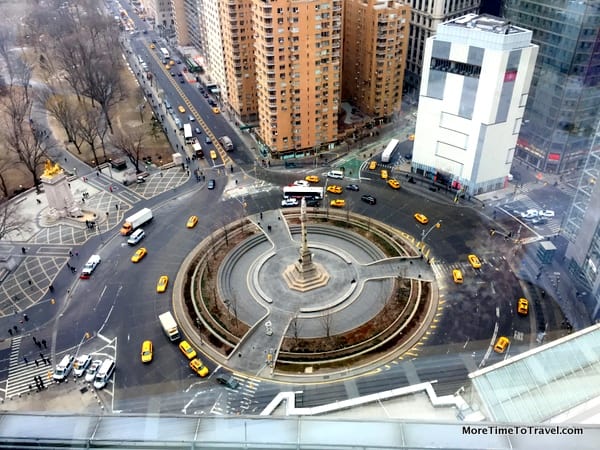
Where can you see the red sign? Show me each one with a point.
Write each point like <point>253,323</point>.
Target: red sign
<point>554,156</point>
<point>510,75</point>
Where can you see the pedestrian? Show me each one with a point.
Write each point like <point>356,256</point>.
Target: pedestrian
<point>77,254</point>
<point>68,266</point>
<point>10,331</point>
<point>26,317</point>
<point>98,173</point>
<point>117,206</point>
<point>39,344</point>
<point>16,328</point>
<point>65,159</point>
<point>85,179</point>
<point>39,202</point>
<point>41,355</point>
<point>110,188</point>
<point>261,216</point>
<point>25,359</point>
<point>70,252</point>
<point>29,281</point>
<point>35,341</point>
<point>73,270</point>
<point>44,343</point>
<point>37,364</point>
<point>23,250</point>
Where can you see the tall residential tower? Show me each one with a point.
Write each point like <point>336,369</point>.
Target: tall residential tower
<point>374,59</point>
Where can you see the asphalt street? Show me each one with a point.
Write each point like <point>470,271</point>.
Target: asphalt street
<point>117,308</point>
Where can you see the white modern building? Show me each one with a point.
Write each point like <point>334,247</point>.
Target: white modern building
<point>474,88</point>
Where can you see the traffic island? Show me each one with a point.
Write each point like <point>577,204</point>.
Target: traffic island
<point>233,300</point>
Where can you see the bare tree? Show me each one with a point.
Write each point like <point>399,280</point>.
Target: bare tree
<point>89,124</point>
<point>6,163</point>
<point>295,329</point>
<point>10,220</point>
<point>66,113</point>
<point>130,144</point>
<point>327,322</point>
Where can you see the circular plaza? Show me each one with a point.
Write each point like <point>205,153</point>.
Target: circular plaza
<point>312,293</point>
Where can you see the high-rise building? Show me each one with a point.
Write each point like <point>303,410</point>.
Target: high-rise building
<point>181,21</point>
<point>582,228</point>
<point>374,57</point>
<point>298,73</point>
<point>426,16</point>
<point>213,44</point>
<point>237,32</point>
<point>160,12</point>
<point>562,109</point>
<point>473,92</point>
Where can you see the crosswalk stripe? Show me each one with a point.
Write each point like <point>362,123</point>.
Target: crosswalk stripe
<point>21,375</point>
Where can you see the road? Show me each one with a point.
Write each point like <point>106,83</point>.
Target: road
<point>117,308</point>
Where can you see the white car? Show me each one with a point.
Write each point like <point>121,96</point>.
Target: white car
<point>81,364</point>
<point>301,183</point>
<point>546,213</point>
<point>289,202</point>
<point>90,373</point>
<point>530,214</point>
<point>90,266</point>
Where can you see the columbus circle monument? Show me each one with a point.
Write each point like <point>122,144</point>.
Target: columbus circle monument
<point>319,293</point>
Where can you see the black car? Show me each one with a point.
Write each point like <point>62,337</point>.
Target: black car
<point>230,382</point>
<point>369,199</point>
<point>172,74</point>
<point>211,184</point>
<point>352,187</point>
<point>312,202</point>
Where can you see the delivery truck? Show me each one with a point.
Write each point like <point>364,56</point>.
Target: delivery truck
<point>169,325</point>
<point>136,220</point>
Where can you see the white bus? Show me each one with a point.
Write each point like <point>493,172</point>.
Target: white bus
<point>315,192</point>
<point>187,133</point>
<point>387,153</point>
<point>165,53</point>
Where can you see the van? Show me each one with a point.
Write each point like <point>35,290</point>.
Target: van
<point>136,236</point>
<point>338,174</point>
<point>104,373</point>
<point>63,368</point>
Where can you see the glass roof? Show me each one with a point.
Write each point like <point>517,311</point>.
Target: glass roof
<point>542,383</point>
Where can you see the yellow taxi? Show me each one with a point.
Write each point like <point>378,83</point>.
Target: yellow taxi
<point>192,221</point>
<point>421,218</point>
<point>213,154</point>
<point>216,110</point>
<point>146,353</point>
<point>338,203</point>
<point>187,350</point>
<point>312,178</point>
<point>394,184</point>
<point>411,137</point>
<point>197,366</point>
<point>501,344</point>
<point>384,174</point>
<point>152,46</point>
<point>171,63</point>
<point>162,284</point>
<point>181,109</point>
<point>139,255</point>
<point>523,306</point>
<point>373,165</point>
<point>167,66</point>
<point>334,189</point>
<point>474,261</point>
<point>457,276</point>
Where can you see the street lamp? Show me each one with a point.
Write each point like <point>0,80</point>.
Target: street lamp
<point>424,233</point>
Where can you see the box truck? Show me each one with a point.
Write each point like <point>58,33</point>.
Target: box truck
<point>136,220</point>
<point>169,325</point>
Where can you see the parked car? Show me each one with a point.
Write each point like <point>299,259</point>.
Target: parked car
<point>81,364</point>
<point>546,213</point>
<point>211,184</point>
<point>90,373</point>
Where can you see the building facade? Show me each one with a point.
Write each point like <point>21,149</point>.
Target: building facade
<point>582,228</point>
<point>473,94</point>
<point>160,13</point>
<point>426,15</point>
<point>298,59</point>
<point>562,110</point>
<point>180,22</point>
<point>374,57</point>
<point>238,57</point>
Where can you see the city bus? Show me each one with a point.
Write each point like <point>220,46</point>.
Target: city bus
<point>165,53</point>
<point>386,156</point>
<point>187,133</point>
<point>315,192</point>
<point>192,66</point>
